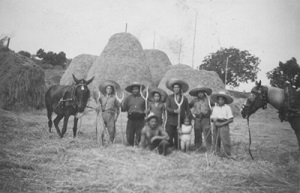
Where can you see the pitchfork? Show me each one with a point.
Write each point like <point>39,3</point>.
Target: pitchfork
<point>120,102</point>
<point>145,97</point>
<point>179,106</point>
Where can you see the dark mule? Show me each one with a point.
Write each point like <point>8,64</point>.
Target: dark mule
<point>66,101</point>
<point>261,95</point>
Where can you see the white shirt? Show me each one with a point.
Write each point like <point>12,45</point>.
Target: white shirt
<point>186,129</point>
<point>222,112</point>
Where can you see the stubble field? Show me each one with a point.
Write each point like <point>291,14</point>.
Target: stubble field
<point>34,160</point>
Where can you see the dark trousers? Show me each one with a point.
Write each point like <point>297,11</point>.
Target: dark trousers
<point>173,135</point>
<point>133,130</point>
<point>221,134</point>
<point>203,126</point>
<point>161,145</point>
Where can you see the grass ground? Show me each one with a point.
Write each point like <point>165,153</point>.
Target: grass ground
<point>34,160</point>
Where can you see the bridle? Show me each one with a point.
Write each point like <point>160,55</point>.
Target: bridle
<point>73,98</point>
<point>259,95</point>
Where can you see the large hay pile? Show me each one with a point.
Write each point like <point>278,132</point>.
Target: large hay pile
<point>22,82</point>
<point>122,60</point>
<point>158,62</point>
<point>198,77</point>
<point>194,78</point>
<point>80,67</point>
<point>178,66</point>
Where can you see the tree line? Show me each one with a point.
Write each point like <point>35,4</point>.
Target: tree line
<point>235,66</point>
<point>48,57</point>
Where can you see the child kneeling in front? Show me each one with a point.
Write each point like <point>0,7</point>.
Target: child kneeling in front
<point>185,134</point>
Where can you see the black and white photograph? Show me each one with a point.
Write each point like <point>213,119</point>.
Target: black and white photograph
<point>149,96</point>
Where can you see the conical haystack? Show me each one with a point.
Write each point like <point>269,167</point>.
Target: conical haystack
<point>178,66</point>
<point>80,67</point>
<point>122,60</point>
<point>194,78</point>
<point>22,82</point>
<point>157,61</point>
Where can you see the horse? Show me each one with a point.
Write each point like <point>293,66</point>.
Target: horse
<point>261,95</point>
<point>66,100</point>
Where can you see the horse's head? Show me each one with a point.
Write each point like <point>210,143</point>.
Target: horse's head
<point>256,100</point>
<point>82,92</point>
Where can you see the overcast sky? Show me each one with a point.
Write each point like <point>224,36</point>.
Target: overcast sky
<point>269,29</point>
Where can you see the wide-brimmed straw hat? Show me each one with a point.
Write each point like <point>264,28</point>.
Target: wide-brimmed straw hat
<point>129,88</point>
<point>183,85</point>
<point>162,93</point>
<point>228,99</point>
<point>105,83</point>
<point>150,116</point>
<point>198,89</point>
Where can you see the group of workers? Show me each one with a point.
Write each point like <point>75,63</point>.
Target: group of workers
<point>160,121</point>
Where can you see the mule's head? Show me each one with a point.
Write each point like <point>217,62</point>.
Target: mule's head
<point>82,92</point>
<point>256,100</point>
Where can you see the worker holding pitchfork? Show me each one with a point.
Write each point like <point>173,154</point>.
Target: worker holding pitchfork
<point>135,106</point>
<point>177,107</point>
<point>109,106</point>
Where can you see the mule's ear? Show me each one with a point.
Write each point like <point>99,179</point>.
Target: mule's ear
<point>75,79</point>
<point>258,83</point>
<point>89,81</point>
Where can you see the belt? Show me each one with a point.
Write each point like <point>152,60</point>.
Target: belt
<point>221,120</point>
<point>108,111</point>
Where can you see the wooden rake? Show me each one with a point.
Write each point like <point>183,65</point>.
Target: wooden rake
<point>178,123</point>
<point>120,110</point>
<point>145,97</point>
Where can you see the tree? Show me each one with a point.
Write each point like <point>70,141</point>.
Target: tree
<point>40,53</point>
<point>285,72</point>
<point>242,66</point>
<point>61,58</point>
<point>51,57</point>
<point>25,53</point>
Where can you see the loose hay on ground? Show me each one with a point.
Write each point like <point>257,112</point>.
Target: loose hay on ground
<point>80,165</point>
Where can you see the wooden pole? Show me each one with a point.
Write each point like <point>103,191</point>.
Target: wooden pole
<point>195,30</point>
<point>8,41</point>
<point>226,71</point>
<point>126,28</point>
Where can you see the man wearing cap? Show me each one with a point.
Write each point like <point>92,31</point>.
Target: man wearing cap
<point>109,107</point>
<point>222,117</point>
<point>153,135</point>
<point>201,111</point>
<point>178,87</point>
<point>134,104</point>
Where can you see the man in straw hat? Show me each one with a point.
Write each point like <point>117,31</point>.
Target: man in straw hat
<point>201,111</point>
<point>109,106</point>
<point>153,135</point>
<point>222,116</point>
<point>178,87</point>
<point>157,99</point>
<point>134,104</point>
